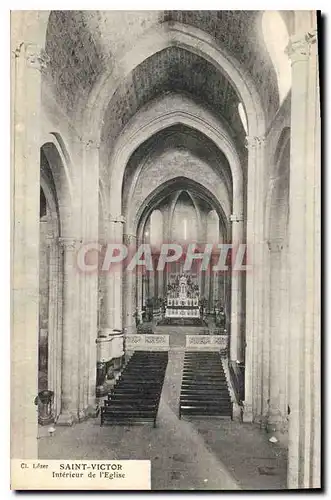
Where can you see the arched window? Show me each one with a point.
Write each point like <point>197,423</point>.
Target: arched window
<point>213,227</point>
<point>185,220</point>
<point>243,117</point>
<point>276,38</point>
<point>156,228</point>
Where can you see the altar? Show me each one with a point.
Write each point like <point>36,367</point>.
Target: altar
<point>183,298</point>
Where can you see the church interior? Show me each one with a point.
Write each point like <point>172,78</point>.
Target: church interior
<point>178,127</point>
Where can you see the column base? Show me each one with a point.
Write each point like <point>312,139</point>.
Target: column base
<point>92,411</point>
<point>82,415</point>
<point>276,422</point>
<point>66,418</point>
<point>46,420</point>
<point>101,391</point>
<point>237,412</point>
<point>130,329</point>
<point>109,385</point>
<point>248,413</point>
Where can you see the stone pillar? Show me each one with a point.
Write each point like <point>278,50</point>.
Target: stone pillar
<point>207,289</point>
<point>151,282</point>
<point>166,239</point>
<point>236,340</point>
<point>129,288</point>
<point>71,333</point>
<point>160,280</point>
<point>55,323</point>
<point>44,258</point>
<point>89,281</point>
<point>215,277</point>
<point>254,280</point>
<point>274,414</point>
<point>114,280</point>
<point>110,341</point>
<point>304,253</point>
<point>139,286</point>
<point>28,61</point>
<point>283,335</point>
<point>221,288</point>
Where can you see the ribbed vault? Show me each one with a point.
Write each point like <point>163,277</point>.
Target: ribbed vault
<point>166,191</point>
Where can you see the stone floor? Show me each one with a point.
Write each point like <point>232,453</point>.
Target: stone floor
<point>211,454</point>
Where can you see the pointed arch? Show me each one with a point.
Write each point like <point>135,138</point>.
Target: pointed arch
<point>190,38</point>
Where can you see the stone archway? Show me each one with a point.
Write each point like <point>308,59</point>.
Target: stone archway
<point>192,39</point>
<point>134,290</point>
<point>153,119</point>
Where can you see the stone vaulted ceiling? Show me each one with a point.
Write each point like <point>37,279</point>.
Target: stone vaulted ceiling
<point>81,44</point>
<point>178,137</point>
<point>173,70</point>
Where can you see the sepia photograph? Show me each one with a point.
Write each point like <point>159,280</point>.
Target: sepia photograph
<point>165,250</point>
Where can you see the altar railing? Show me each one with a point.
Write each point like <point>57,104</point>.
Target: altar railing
<point>146,342</point>
<point>208,342</point>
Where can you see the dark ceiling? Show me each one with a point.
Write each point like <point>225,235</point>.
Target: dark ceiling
<point>81,44</point>
<point>179,71</point>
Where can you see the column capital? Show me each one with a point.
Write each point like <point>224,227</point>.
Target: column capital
<point>117,219</point>
<point>236,218</point>
<point>253,141</point>
<point>299,46</point>
<point>69,244</point>
<point>275,246</point>
<point>36,56</point>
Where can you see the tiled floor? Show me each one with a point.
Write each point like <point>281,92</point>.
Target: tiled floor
<point>198,455</point>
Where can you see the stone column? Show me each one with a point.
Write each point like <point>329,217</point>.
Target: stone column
<point>129,288</point>
<point>71,333</point>
<point>254,279</point>
<point>55,323</point>
<point>283,335</point>
<point>114,280</point>
<point>274,414</point>
<point>221,288</point>
<point>166,239</point>
<point>304,252</point>
<point>89,150</point>
<point>207,289</point>
<point>139,286</point>
<point>110,344</point>
<point>215,278</point>
<point>151,282</point>
<point>28,61</point>
<point>160,280</point>
<point>236,339</point>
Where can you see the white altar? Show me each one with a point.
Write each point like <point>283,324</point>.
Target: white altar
<point>182,298</point>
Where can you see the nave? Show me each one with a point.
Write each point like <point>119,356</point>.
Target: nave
<point>199,130</point>
<point>196,454</point>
